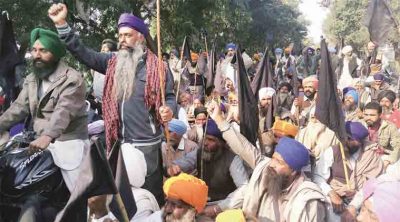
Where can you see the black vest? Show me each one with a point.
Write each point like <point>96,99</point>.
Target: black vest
<point>217,175</point>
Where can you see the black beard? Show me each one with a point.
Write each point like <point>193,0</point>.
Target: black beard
<point>282,97</point>
<point>353,150</point>
<point>309,95</point>
<point>43,71</point>
<point>263,111</point>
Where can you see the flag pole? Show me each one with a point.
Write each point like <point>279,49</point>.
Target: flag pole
<point>346,175</point>
<point>161,73</point>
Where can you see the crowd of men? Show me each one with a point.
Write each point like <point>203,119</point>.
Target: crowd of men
<point>205,169</point>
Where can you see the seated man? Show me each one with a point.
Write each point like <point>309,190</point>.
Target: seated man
<point>180,145</point>
<point>350,105</point>
<point>280,129</point>
<point>186,197</point>
<point>54,96</point>
<point>386,99</point>
<point>363,163</point>
<point>222,170</point>
<point>195,134</point>
<point>380,202</point>
<point>278,190</point>
<point>382,132</point>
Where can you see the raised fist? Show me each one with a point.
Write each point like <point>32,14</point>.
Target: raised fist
<point>58,13</point>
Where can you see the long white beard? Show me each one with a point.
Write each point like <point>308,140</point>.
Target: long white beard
<point>125,72</point>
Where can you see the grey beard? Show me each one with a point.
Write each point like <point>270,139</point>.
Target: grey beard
<point>274,183</point>
<point>189,216</point>
<point>210,156</point>
<point>350,108</point>
<point>125,72</point>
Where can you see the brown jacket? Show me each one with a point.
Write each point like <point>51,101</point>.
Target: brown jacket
<point>60,113</point>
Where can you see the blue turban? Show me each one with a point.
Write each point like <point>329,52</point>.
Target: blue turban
<point>177,126</point>
<point>131,21</point>
<point>379,76</point>
<point>356,131</point>
<point>230,46</point>
<point>278,51</point>
<point>212,129</point>
<point>294,153</point>
<point>353,94</point>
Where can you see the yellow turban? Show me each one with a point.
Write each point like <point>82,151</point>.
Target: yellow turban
<point>187,188</point>
<point>285,128</point>
<point>231,216</point>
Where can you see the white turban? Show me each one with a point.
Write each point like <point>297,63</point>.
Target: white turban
<point>266,92</point>
<point>347,49</point>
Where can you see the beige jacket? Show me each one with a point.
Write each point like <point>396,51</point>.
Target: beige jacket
<point>60,113</point>
<point>302,201</point>
<point>389,139</point>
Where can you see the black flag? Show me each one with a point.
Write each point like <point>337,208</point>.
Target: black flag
<point>328,108</point>
<point>9,58</point>
<point>211,66</point>
<point>379,20</point>
<point>247,102</point>
<point>185,53</point>
<point>263,77</point>
<point>95,179</point>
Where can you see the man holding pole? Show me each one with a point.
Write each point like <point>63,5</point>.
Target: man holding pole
<point>132,100</point>
<point>341,181</point>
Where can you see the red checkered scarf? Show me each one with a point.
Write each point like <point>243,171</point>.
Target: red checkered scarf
<point>152,95</point>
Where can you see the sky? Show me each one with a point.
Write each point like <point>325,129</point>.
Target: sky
<point>315,15</point>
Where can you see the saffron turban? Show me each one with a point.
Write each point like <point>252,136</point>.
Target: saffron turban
<point>293,152</point>
<point>311,79</point>
<point>188,189</point>
<point>385,198</point>
<point>49,40</point>
<point>285,128</point>
<point>131,21</point>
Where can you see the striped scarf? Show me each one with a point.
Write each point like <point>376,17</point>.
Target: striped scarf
<point>152,95</point>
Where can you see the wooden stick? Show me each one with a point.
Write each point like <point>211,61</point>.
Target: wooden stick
<point>162,85</point>
<point>121,207</point>
<point>345,165</point>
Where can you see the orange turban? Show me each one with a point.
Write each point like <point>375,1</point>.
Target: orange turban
<point>288,50</point>
<point>194,56</point>
<point>285,128</point>
<point>311,79</point>
<point>187,188</point>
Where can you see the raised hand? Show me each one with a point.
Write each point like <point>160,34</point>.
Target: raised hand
<point>58,13</point>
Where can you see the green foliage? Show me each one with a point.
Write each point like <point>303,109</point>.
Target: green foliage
<point>345,21</point>
<point>248,22</point>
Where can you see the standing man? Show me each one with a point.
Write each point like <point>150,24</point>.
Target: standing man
<point>131,102</point>
<point>303,104</point>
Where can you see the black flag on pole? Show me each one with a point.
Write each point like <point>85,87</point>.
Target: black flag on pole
<point>247,102</point>
<point>379,21</point>
<point>328,107</point>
